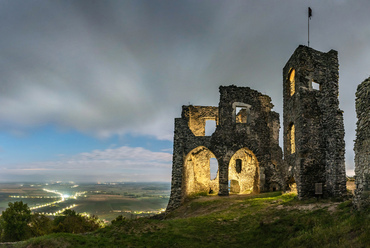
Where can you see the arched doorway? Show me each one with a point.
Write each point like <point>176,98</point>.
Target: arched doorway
<point>243,172</point>
<point>197,176</point>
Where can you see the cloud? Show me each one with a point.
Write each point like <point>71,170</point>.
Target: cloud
<point>121,163</point>
<point>115,67</point>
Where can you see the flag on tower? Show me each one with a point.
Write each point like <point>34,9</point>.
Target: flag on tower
<point>309,12</point>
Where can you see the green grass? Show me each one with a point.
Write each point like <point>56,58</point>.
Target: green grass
<point>265,220</point>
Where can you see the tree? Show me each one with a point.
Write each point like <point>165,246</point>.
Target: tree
<point>40,224</point>
<point>14,222</point>
<point>72,222</point>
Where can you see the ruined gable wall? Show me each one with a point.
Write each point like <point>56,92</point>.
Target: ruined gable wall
<point>318,123</point>
<point>197,117</point>
<point>259,135</point>
<point>254,142</point>
<point>362,146</point>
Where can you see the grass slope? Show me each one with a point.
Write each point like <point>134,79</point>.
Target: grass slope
<point>265,220</point>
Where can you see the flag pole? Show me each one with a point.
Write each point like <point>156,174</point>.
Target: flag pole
<point>308,23</point>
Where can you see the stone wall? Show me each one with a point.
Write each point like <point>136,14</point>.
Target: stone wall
<point>313,123</point>
<point>362,146</point>
<point>245,144</point>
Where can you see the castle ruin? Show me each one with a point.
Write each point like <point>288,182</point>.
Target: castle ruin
<point>362,146</point>
<point>245,143</point>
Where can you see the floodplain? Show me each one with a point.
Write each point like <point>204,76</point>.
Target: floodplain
<point>105,200</point>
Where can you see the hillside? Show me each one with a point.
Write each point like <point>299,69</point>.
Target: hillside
<point>265,220</point>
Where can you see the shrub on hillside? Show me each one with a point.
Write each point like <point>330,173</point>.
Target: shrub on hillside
<point>72,222</point>
<point>17,223</point>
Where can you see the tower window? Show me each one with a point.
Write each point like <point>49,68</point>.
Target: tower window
<point>292,82</point>
<point>316,86</point>
<point>292,139</point>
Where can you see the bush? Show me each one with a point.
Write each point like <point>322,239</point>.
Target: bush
<point>72,222</point>
<point>40,225</point>
<point>17,223</point>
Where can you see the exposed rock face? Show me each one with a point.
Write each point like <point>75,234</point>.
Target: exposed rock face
<point>362,146</point>
<point>313,123</point>
<point>245,144</point>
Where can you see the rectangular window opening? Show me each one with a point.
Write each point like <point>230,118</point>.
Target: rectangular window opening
<point>241,115</point>
<point>318,188</point>
<point>316,86</point>
<point>213,164</point>
<point>238,165</point>
<point>210,127</point>
<point>292,139</point>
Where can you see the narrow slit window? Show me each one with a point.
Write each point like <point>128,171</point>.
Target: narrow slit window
<point>292,139</point>
<point>292,82</point>
<point>238,165</point>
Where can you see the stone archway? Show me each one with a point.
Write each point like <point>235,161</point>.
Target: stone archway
<point>197,174</point>
<point>244,172</point>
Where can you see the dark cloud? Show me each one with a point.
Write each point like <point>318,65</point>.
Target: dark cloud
<point>113,67</point>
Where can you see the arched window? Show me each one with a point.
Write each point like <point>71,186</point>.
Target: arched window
<point>292,139</point>
<point>292,82</point>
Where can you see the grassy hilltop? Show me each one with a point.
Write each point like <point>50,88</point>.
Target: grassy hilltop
<point>264,220</point>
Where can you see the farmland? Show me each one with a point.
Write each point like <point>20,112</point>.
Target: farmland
<point>107,201</point>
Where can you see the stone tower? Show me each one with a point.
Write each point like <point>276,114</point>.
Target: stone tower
<point>313,123</point>
<point>362,146</point>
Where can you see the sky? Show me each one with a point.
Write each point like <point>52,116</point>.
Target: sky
<point>89,89</point>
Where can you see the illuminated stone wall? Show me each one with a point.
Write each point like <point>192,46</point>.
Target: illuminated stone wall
<point>318,135</point>
<point>362,146</point>
<point>250,136</point>
<point>247,177</point>
<point>197,172</point>
<point>198,115</point>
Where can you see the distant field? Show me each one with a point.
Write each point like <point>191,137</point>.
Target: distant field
<point>110,206</point>
<point>107,201</point>
<point>8,190</point>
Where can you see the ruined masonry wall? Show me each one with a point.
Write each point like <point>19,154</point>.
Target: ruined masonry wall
<point>362,146</point>
<point>250,136</point>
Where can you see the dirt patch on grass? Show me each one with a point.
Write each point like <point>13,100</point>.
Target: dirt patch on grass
<point>331,206</point>
<point>351,186</point>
